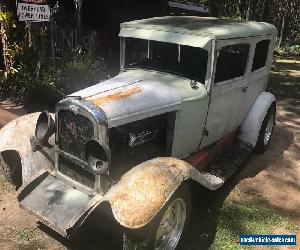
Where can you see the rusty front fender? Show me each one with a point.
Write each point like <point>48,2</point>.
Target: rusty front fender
<point>146,188</point>
<point>15,136</point>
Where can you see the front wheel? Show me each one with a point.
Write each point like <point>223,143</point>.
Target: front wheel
<point>11,167</point>
<point>266,131</point>
<point>166,232</point>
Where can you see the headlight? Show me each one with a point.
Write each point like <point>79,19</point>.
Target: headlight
<point>45,128</point>
<point>97,156</point>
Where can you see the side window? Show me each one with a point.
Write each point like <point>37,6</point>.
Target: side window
<point>231,62</point>
<point>261,54</point>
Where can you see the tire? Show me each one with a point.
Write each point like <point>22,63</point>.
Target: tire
<point>11,167</point>
<point>266,131</point>
<point>152,236</point>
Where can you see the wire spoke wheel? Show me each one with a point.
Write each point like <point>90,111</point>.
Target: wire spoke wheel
<point>171,226</point>
<point>168,229</point>
<point>266,130</point>
<point>269,130</point>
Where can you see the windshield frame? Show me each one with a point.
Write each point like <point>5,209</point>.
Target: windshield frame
<point>209,47</point>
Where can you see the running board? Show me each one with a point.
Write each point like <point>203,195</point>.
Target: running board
<point>224,167</point>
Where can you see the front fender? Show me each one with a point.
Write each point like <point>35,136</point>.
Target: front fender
<point>135,200</point>
<point>146,188</point>
<point>15,136</point>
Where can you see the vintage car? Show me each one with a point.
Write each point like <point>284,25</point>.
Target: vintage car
<point>188,105</point>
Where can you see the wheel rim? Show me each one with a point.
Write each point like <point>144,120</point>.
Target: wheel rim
<point>269,130</point>
<point>171,226</point>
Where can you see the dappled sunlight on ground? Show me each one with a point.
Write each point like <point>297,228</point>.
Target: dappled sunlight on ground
<point>273,178</point>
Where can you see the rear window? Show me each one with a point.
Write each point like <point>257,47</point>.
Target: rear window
<point>231,62</point>
<point>261,54</point>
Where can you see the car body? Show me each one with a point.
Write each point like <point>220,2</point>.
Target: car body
<point>190,89</point>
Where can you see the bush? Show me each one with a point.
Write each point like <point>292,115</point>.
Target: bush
<point>41,82</point>
<point>289,50</point>
<point>74,71</point>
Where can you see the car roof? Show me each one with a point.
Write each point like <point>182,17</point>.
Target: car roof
<point>203,26</point>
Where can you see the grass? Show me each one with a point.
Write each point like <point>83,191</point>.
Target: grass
<point>26,234</point>
<point>5,186</point>
<point>236,219</point>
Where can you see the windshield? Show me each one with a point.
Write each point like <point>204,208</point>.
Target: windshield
<point>190,62</point>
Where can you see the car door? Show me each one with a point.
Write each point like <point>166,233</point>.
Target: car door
<point>229,86</point>
<point>258,71</point>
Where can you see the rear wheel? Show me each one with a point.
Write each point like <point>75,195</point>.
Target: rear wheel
<point>266,131</point>
<point>166,232</point>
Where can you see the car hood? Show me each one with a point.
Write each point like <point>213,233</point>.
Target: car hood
<point>128,97</point>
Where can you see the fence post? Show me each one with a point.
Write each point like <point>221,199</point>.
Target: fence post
<point>52,41</point>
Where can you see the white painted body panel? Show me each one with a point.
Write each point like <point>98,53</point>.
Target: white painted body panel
<point>215,28</point>
<point>147,98</point>
<point>15,136</point>
<point>158,93</point>
<point>220,108</point>
<point>229,101</point>
<point>232,100</point>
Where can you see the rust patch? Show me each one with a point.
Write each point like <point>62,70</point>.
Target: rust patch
<point>104,100</point>
<point>206,156</point>
<point>144,190</point>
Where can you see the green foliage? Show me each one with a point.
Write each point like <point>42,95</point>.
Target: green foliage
<point>25,60</point>
<point>289,50</point>
<point>23,69</point>
<point>5,186</point>
<point>284,14</point>
<point>7,18</point>
<point>7,25</point>
<point>26,234</point>
<point>74,71</point>
<point>31,72</point>
<point>34,77</point>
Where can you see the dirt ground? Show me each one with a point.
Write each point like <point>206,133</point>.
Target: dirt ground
<point>274,177</point>
<point>271,180</point>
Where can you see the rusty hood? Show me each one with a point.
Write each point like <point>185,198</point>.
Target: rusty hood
<point>128,97</point>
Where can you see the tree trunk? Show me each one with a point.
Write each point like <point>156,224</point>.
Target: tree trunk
<point>6,57</point>
<point>281,32</point>
<point>248,10</point>
<point>242,8</point>
<point>216,7</point>
<point>29,34</point>
<point>255,15</point>
<point>266,11</point>
<point>4,40</point>
<point>212,8</point>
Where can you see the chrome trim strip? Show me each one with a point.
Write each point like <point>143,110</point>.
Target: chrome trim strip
<point>79,106</point>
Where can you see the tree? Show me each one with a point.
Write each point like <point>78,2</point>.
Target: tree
<point>284,14</point>
<point>7,24</point>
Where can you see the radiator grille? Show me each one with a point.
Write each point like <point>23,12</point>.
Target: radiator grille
<point>76,173</point>
<point>74,131</point>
